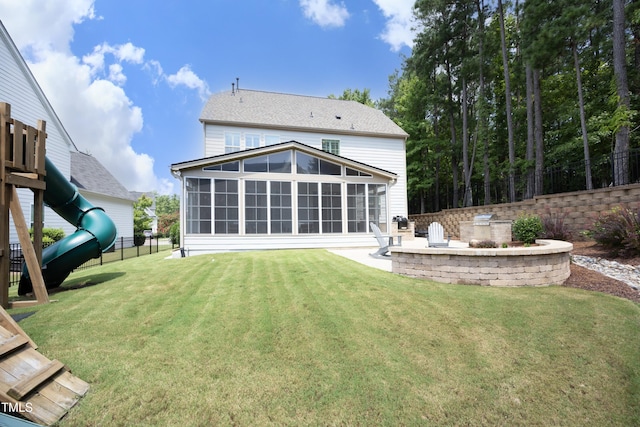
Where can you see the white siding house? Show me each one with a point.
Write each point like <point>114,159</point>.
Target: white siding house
<point>29,104</point>
<point>291,171</point>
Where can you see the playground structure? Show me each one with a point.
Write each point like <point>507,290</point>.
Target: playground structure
<point>40,389</point>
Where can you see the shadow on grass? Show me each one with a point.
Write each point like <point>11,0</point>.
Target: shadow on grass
<point>85,282</point>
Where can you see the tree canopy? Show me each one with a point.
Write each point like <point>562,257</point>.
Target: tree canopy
<point>504,101</point>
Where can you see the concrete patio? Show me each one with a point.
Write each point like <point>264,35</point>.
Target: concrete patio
<point>362,256</point>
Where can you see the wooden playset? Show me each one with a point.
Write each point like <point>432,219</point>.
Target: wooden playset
<point>39,389</point>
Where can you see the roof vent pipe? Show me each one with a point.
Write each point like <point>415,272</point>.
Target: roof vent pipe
<point>238,84</point>
<point>233,91</point>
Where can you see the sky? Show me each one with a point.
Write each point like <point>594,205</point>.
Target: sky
<point>129,79</point>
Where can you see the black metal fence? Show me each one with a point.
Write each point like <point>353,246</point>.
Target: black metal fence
<point>124,248</point>
<point>558,178</point>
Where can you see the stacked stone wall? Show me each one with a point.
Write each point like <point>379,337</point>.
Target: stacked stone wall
<point>536,266</point>
<point>579,209</point>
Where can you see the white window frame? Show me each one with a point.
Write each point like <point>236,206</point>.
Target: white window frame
<point>231,142</point>
<point>331,146</point>
<point>251,140</point>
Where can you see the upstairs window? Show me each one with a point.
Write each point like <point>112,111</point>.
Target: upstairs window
<point>231,142</point>
<point>331,146</point>
<point>251,141</point>
<point>271,139</point>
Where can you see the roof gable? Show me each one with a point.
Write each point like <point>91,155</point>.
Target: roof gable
<point>87,173</point>
<point>253,152</point>
<point>284,111</point>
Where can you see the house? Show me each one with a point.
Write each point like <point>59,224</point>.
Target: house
<point>99,187</point>
<point>291,171</point>
<point>151,210</point>
<point>29,104</point>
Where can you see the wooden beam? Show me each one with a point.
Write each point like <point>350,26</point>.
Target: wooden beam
<point>38,221</point>
<point>40,148</point>
<point>26,385</point>
<point>5,262</point>
<point>34,267</point>
<point>18,148</point>
<point>12,344</point>
<point>7,322</point>
<point>20,180</point>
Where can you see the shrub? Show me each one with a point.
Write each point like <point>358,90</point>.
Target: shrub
<point>527,228</point>
<point>139,239</point>
<point>174,233</point>
<point>554,227</point>
<point>619,231</point>
<point>50,235</point>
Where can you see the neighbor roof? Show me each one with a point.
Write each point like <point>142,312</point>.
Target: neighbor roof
<point>253,108</point>
<point>87,173</point>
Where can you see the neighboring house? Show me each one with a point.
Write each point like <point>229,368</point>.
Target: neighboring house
<point>102,189</point>
<point>19,88</point>
<point>290,171</point>
<point>151,210</point>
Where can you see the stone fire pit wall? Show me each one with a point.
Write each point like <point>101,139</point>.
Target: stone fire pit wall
<point>543,265</point>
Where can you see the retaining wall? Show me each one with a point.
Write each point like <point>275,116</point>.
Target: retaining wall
<point>544,265</point>
<point>580,209</point>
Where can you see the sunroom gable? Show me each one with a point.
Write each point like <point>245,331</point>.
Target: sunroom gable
<point>235,161</point>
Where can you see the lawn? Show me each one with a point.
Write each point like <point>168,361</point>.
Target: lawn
<point>310,338</point>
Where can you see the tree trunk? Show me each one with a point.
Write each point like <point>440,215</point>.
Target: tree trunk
<point>538,133</point>
<point>467,199</point>
<point>454,142</point>
<point>507,84</point>
<point>530,134</point>
<point>621,149</point>
<point>583,121</point>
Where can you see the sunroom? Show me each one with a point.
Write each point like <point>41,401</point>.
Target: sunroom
<point>287,195</point>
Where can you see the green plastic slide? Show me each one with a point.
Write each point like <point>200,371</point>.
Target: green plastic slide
<point>96,232</point>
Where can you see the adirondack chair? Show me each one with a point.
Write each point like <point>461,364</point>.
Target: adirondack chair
<point>435,238</point>
<point>384,241</point>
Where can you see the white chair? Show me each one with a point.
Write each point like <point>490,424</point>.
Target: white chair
<point>383,241</point>
<point>435,236</point>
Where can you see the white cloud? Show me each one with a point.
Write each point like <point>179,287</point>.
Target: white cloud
<point>44,24</point>
<point>88,92</point>
<point>186,77</point>
<point>126,53</point>
<point>399,30</point>
<point>325,13</point>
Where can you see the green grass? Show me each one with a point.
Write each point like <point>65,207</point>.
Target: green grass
<point>310,338</point>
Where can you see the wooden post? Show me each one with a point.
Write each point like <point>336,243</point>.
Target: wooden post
<point>5,261</point>
<point>30,257</point>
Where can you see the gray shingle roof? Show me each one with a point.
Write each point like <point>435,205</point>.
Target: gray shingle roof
<point>284,111</point>
<point>87,173</point>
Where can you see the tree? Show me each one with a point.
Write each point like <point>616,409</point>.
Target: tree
<point>509,112</point>
<point>621,149</point>
<point>141,219</point>
<point>167,212</point>
<point>363,97</point>
<point>167,204</point>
